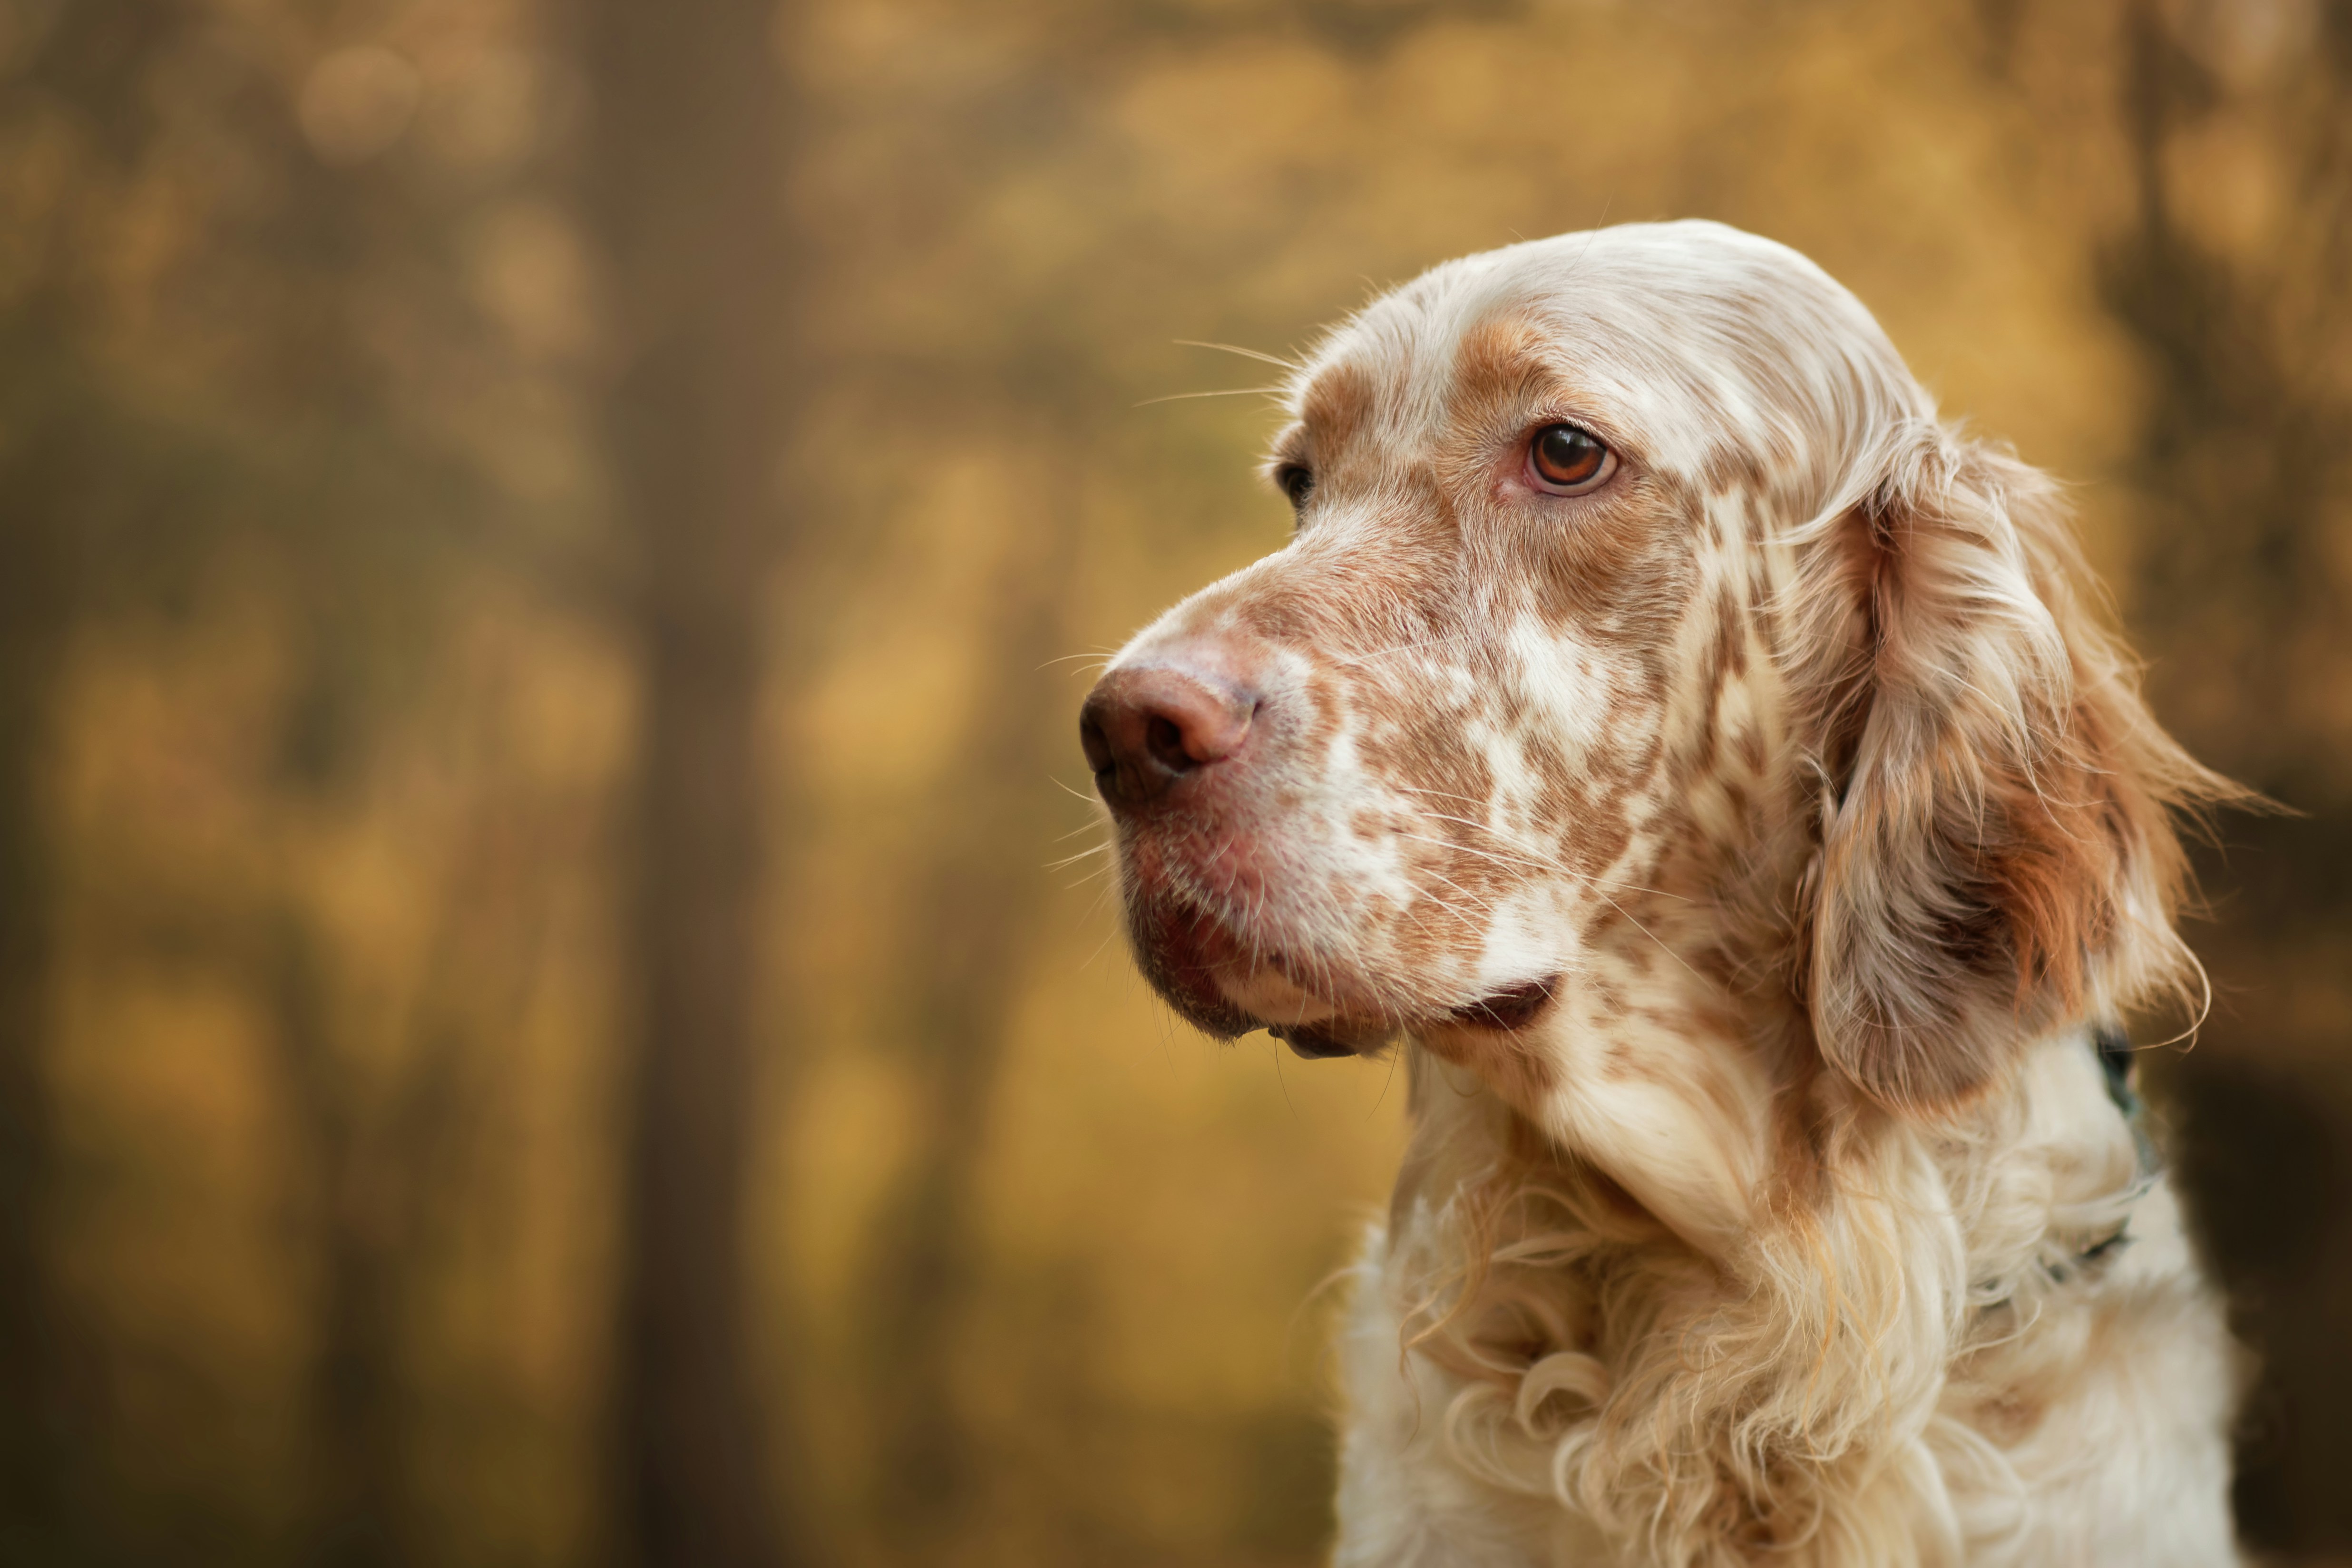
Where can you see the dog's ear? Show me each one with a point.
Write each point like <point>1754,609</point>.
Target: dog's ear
<point>1997,855</point>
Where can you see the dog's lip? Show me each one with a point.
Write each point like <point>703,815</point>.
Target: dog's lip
<point>1512,1009</point>
<point>1507,1010</point>
<point>1230,984</point>
<point>1330,1037</point>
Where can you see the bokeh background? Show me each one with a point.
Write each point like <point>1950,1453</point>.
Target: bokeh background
<point>549,552</point>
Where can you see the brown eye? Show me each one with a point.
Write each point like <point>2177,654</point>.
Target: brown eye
<point>1569,461</point>
<point>1297,481</point>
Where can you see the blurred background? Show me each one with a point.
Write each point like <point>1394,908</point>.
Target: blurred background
<point>549,553</point>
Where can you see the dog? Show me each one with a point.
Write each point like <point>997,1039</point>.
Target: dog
<point>1712,772</point>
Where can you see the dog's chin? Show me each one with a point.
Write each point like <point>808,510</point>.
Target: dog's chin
<point>1227,987</point>
<point>1313,1026</point>
<point>1185,952</point>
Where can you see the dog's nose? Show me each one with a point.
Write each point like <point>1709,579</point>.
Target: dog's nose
<point>1143,729</point>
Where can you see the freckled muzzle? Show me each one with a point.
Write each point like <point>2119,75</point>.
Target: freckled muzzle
<point>1205,772</point>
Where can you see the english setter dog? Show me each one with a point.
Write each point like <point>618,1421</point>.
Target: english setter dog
<point>1708,768</point>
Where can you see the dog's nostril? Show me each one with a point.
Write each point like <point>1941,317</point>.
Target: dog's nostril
<point>1095,744</point>
<point>1167,744</point>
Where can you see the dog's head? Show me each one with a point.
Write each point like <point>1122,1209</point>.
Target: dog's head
<point>1644,646</point>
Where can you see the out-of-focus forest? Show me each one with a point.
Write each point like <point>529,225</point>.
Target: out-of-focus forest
<point>549,552</point>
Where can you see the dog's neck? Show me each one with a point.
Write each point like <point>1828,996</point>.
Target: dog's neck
<point>1707,1129</point>
<point>1677,1057</point>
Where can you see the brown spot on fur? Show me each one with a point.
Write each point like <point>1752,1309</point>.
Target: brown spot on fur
<point>1800,1134</point>
<point>1623,1064</point>
<point>1337,407</point>
<point>2012,1418</point>
<point>1499,359</point>
<point>1748,741</point>
<point>1730,468</point>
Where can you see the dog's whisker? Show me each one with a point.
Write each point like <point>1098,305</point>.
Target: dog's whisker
<point>1098,655</point>
<point>1275,359</point>
<point>1222,391</point>
<point>1086,855</point>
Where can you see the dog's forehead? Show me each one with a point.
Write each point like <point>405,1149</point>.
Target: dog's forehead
<point>1679,339</point>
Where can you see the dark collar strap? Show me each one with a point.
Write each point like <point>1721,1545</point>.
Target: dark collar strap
<point>2116,1062</point>
<point>2116,1059</point>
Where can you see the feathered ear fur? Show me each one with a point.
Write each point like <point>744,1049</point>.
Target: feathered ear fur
<point>1996,854</point>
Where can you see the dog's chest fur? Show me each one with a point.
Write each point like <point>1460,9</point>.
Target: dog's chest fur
<point>2036,1374</point>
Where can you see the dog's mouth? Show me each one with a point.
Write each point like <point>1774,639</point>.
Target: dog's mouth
<point>1512,1009</point>
<point>1228,986</point>
<point>1506,1011</point>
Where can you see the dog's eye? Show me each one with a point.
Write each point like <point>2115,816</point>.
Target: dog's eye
<point>1297,481</point>
<point>1567,460</point>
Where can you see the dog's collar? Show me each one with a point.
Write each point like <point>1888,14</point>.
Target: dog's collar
<point>2115,1061</point>
<point>2120,1062</point>
<point>2118,1065</point>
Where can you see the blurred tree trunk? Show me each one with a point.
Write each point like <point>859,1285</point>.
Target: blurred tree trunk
<point>57,455</point>
<point>34,1451</point>
<point>978,906</point>
<point>359,1517</point>
<point>383,1171</point>
<point>686,184</point>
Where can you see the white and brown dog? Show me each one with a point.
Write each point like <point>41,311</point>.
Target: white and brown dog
<point>1707,765</point>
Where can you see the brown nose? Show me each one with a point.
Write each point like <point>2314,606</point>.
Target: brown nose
<point>1143,729</point>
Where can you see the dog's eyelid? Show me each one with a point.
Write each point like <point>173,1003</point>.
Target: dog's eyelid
<point>1296,481</point>
<point>1282,462</point>
<point>1290,470</point>
<point>1602,428</point>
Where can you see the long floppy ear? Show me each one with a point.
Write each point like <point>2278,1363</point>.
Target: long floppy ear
<point>1997,855</point>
